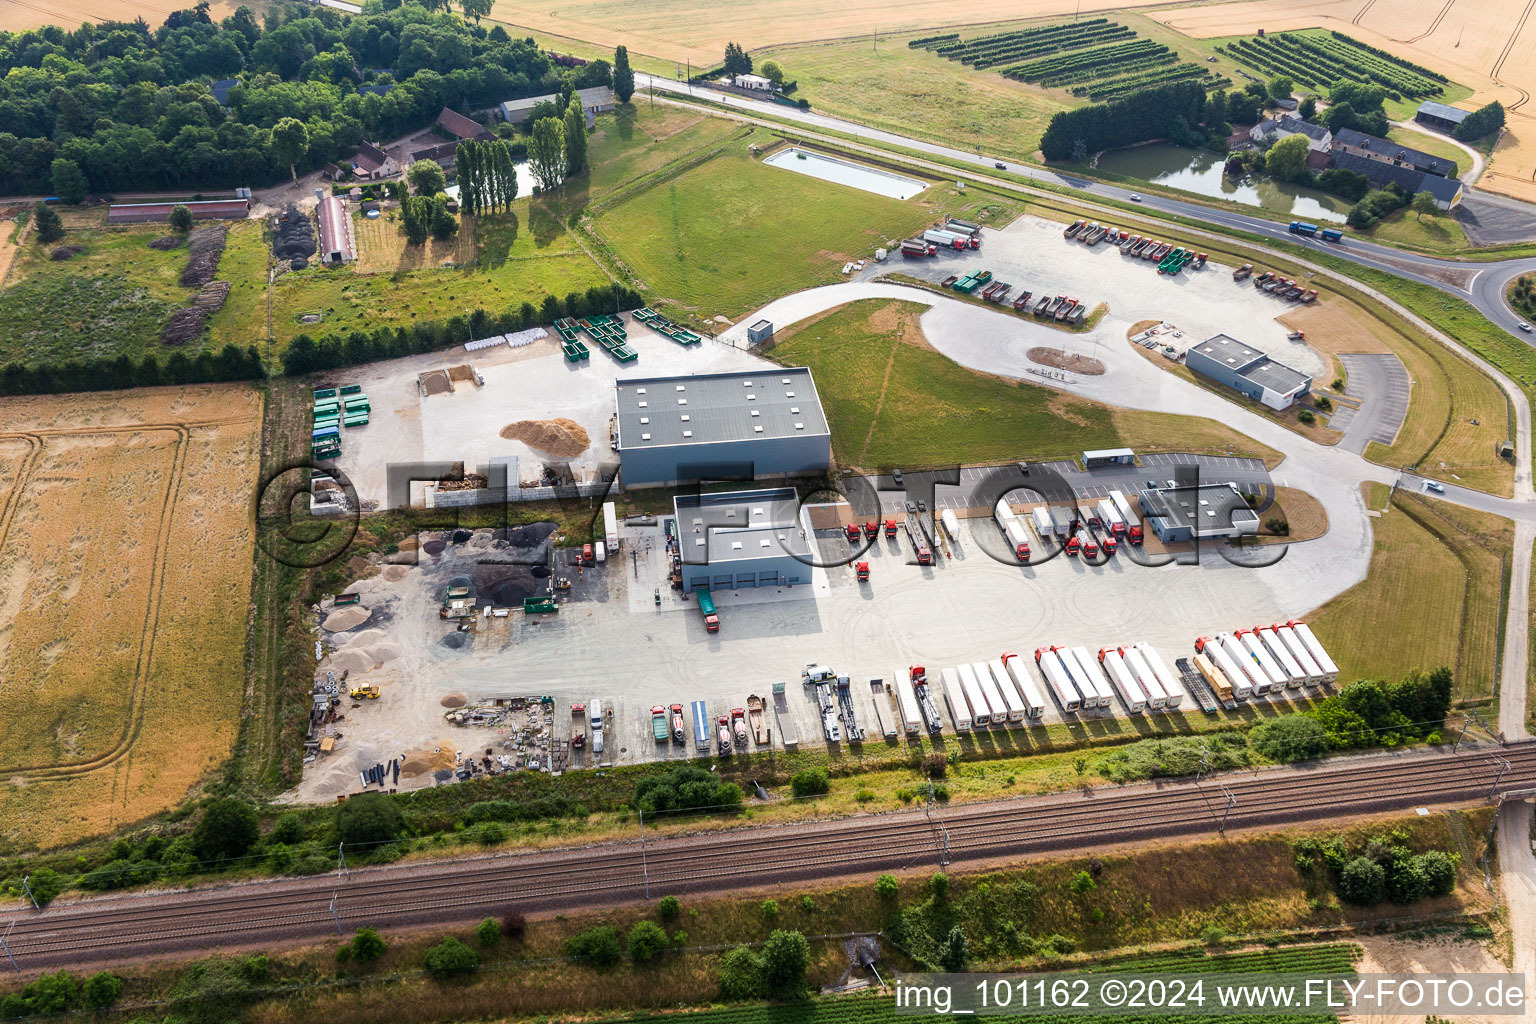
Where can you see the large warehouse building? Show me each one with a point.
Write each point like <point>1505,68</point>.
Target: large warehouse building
<point>721,426</point>
<point>742,539</point>
<point>1204,512</point>
<point>1230,362</point>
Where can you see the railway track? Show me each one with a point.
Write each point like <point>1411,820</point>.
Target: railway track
<point>259,914</point>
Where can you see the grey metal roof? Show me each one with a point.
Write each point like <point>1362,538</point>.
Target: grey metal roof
<point>1296,125</point>
<point>1445,111</point>
<point>1444,189</point>
<point>739,526</point>
<point>1207,509</point>
<point>1229,352</point>
<point>1405,178</point>
<point>592,96</point>
<point>1277,377</point>
<point>1394,151</point>
<point>707,408</point>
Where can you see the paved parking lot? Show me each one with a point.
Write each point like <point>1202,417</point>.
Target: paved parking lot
<point>1382,383</point>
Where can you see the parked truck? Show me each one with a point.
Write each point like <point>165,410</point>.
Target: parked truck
<point>1034,702</point>
<point>757,719</point>
<point>1315,648</point>
<point>950,523</point>
<point>1298,650</point>
<point>1057,681</point>
<point>1067,309</point>
<point>1017,709</point>
<point>906,704</point>
<point>981,712</point>
<point>963,227</point>
<point>954,695</point>
<point>997,707</point>
<point>679,731</point>
<point>1173,689</point>
<point>1133,530</point>
<point>1044,528</point>
<point>1243,664</point>
<point>1086,545</point>
<point>1089,677</point>
<point>1157,699</point>
<point>912,248</point>
<point>1013,529</point>
<point>1072,229</point>
<point>723,735</point>
<point>1216,680</point>
<point>890,528</point>
<point>659,723</point>
<point>1243,271</point>
<point>919,542</point>
<point>1295,675</point>
<point>1125,682</point>
<point>1127,244</point>
<point>1110,517</point>
<point>927,706</point>
<point>944,239</point>
<point>707,609</point>
<point>700,726</point>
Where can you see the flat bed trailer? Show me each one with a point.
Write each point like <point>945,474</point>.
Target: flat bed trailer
<point>849,716</point>
<point>787,731</point>
<point>1195,683</point>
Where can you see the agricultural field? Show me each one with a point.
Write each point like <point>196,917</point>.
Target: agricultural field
<point>1320,60</point>
<point>1477,47</point>
<point>125,555</point>
<point>1097,59</point>
<point>672,30</point>
<point>884,387</point>
<point>1434,595</point>
<point>15,15</point>
<point>112,298</point>
<point>729,234</point>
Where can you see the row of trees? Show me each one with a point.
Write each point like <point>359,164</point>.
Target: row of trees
<point>1363,714</point>
<point>558,147</point>
<point>1168,111</point>
<point>130,107</point>
<point>487,177</point>
<point>227,364</point>
<point>1481,122</point>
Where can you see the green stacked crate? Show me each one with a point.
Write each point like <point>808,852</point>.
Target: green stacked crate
<point>323,393</point>
<point>351,389</point>
<point>355,419</point>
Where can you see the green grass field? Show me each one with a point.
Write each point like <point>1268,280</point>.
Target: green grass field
<point>884,390</point>
<point>731,233</point>
<point>1434,595</point>
<point>113,298</point>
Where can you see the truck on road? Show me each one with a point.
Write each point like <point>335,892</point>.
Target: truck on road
<point>707,609</point>
<point>1332,235</point>
<point>1301,227</point>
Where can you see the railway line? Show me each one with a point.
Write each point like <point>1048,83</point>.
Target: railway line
<point>142,926</point>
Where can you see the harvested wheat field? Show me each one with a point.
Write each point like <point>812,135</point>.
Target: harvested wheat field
<point>680,30</point>
<point>562,438</point>
<point>125,566</point>
<point>1483,46</point>
<point>16,15</point>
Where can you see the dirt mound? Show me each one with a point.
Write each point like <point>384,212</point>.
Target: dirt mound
<point>204,247</point>
<point>509,591</point>
<point>434,547</point>
<point>187,323</point>
<point>396,573</point>
<point>530,536</point>
<point>343,619</point>
<point>1086,365</point>
<point>562,438</point>
<point>295,235</point>
<point>458,641</point>
<point>167,243</point>
<point>454,700</point>
<point>65,252</point>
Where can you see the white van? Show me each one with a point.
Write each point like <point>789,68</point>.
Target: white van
<point>595,713</point>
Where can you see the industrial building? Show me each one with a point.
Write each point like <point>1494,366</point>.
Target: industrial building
<point>1228,361</point>
<point>1108,457</point>
<point>1202,512</point>
<point>721,426</point>
<point>742,539</point>
<point>202,209</point>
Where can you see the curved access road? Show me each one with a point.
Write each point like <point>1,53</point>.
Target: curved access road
<point>1481,284</point>
<point>263,914</point>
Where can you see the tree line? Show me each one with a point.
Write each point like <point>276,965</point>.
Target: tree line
<point>307,355</point>
<point>130,107</point>
<point>487,178</point>
<point>227,364</point>
<point>1167,111</point>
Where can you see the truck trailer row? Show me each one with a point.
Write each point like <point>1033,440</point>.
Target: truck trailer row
<point>1258,660</point>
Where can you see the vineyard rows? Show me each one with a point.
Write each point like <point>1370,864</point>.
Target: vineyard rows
<point>928,42</point>
<point>1326,61</point>
<point>1102,62</point>
<point>984,51</point>
<point>1410,65</point>
<point>1016,52</point>
<point>1114,88</point>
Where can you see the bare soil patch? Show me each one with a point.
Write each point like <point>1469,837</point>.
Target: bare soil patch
<point>1085,365</point>
<point>560,437</point>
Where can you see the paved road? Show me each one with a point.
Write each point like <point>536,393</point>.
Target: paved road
<point>1485,289</point>
<point>260,915</point>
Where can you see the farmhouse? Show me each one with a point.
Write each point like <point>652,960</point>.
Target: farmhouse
<point>752,82</point>
<point>336,245</point>
<point>1447,191</point>
<point>1275,129</point>
<point>372,163</point>
<point>594,101</point>
<point>741,425</point>
<point>1440,116</point>
<point>150,213</point>
<point>463,127</point>
<point>1372,147</point>
<point>1228,361</point>
<point>444,153</point>
<point>741,539</point>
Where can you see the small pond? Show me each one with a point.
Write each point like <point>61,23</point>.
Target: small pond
<point>844,172</point>
<point>1200,171</point>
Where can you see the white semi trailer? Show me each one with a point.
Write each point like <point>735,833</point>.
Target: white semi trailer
<point>1034,700</point>
<point>906,701</point>
<point>1173,689</point>
<point>1017,710</point>
<point>954,694</point>
<point>1287,636</point>
<point>997,708</point>
<point>1316,649</point>
<point>981,714</point>
<point>1268,666</point>
<point>1213,648</point>
<point>1130,690</point>
<point>1055,673</point>
<point>1293,669</point>
<point>1089,672</point>
<point>1258,682</point>
<point>1157,698</point>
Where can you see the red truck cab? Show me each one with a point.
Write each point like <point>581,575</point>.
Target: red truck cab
<point>1073,544</point>
<point>1109,543</point>
<point>1086,543</point>
<point>587,558</point>
<point>890,527</point>
<point>871,529</point>
<point>851,531</point>
<point>862,568</point>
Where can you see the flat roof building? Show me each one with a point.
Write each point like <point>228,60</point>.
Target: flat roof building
<point>1108,457</point>
<point>202,209</point>
<point>1203,512</point>
<point>742,539</point>
<point>721,426</point>
<point>1230,362</point>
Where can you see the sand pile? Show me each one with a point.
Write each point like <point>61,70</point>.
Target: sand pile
<point>384,653</point>
<point>455,700</point>
<point>396,573</point>
<point>559,437</point>
<point>425,761</point>
<point>342,619</point>
<point>352,662</point>
<point>362,638</point>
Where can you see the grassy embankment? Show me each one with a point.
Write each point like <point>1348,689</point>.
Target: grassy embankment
<point>1435,595</point>
<point>1243,885</point>
<point>884,388</point>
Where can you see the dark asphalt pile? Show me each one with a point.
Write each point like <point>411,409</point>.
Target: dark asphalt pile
<point>294,236</point>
